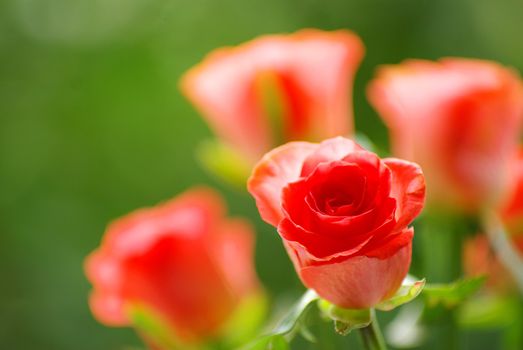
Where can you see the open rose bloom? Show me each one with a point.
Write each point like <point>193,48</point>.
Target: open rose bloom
<point>459,119</point>
<point>182,263</point>
<point>343,214</point>
<point>277,88</point>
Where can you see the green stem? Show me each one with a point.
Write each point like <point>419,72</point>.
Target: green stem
<point>371,335</point>
<point>441,241</point>
<point>513,337</point>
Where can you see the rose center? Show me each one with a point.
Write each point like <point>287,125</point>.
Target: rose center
<point>338,199</point>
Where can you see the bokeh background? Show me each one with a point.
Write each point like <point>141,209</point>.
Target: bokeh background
<point>92,126</point>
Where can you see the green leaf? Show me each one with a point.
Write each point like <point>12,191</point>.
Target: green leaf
<point>452,294</point>
<point>489,311</point>
<point>306,333</point>
<point>292,320</point>
<point>406,293</point>
<point>287,328</point>
<point>224,162</point>
<point>345,320</point>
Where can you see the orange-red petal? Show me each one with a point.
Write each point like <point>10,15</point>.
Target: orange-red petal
<point>274,171</point>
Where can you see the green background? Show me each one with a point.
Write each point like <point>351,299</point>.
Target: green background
<point>93,126</point>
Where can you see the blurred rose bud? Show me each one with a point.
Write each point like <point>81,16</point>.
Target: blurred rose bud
<point>459,119</point>
<point>343,214</point>
<point>178,272</point>
<point>511,211</point>
<point>275,89</point>
<point>478,257</point>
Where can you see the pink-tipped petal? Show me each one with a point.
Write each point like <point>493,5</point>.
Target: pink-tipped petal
<point>108,309</point>
<point>329,150</point>
<point>274,171</point>
<point>408,187</point>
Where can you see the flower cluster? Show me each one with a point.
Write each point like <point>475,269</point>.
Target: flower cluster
<point>181,272</point>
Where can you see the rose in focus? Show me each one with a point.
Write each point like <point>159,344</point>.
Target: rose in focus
<point>182,263</point>
<point>277,88</point>
<point>459,119</point>
<point>343,214</point>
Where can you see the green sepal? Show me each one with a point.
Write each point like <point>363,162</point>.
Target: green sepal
<point>273,102</point>
<point>290,325</point>
<point>153,329</point>
<point>246,320</point>
<point>452,294</point>
<point>406,293</point>
<point>365,142</point>
<point>345,320</point>
<point>224,162</point>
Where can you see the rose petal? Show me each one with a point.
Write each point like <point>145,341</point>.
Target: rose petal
<point>274,171</point>
<point>235,253</point>
<point>364,224</point>
<point>329,150</point>
<point>317,247</point>
<point>181,284</point>
<point>103,270</point>
<point>377,187</point>
<point>108,308</point>
<point>359,281</point>
<point>298,196</point>
<point>349,237</point>
<point>383,248</point>
<point>190,214</point>
<point>408,187</point>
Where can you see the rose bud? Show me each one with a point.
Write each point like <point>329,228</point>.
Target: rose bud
<point>479,259</point>
<point>478,255</point>
<point>343,214</point>
<point>277,88</point>
<point>511,209</point>
<point>459,119</point>
<point>181,263</point>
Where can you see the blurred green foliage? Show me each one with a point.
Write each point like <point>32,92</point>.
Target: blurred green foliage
<point>93,126</point>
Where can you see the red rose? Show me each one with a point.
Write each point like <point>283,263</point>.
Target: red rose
<point>343,214</point>
<point>459,119</point>
<point>182,262</point>
<point>277,88</point>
